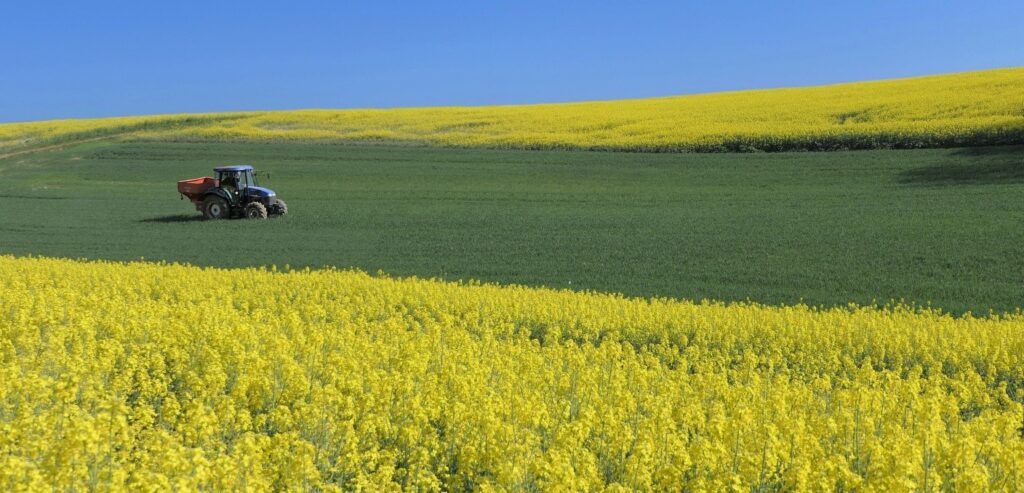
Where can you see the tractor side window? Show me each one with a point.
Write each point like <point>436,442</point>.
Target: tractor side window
<point>230,182</point>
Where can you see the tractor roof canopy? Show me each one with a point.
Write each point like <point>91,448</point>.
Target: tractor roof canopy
<point>237,167</point>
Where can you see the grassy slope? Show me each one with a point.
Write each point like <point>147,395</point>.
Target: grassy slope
<point>965,109</point>
<point>830,228</point>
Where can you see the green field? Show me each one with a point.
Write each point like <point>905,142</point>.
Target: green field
<point>938,226</point>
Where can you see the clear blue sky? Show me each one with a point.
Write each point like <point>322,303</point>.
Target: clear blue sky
<point>101,58</point>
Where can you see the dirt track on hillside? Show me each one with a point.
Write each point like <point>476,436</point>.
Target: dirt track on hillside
<point>55,146</point>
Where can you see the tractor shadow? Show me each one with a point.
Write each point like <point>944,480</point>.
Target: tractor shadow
<point>971,166</point>
<point>175,218</point>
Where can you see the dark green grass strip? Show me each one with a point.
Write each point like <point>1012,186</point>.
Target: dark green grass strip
<point>944,226</point>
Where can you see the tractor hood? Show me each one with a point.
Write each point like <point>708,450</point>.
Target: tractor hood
<point>260,192</point>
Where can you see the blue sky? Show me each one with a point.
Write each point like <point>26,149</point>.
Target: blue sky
<point>87,59</point>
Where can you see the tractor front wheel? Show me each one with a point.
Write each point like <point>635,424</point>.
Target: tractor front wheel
<point>215,207</point>
<point>255,210</point>
<point>280,208</point>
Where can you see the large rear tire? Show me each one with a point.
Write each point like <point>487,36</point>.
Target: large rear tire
<point>255,210</point>
<point>215,207</point>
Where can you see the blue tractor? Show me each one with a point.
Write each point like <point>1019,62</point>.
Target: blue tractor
<point>233,192</point>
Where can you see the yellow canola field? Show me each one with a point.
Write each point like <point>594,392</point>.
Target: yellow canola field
<point>963,109</point>
<point>154,377</point>
<point>24,135</point>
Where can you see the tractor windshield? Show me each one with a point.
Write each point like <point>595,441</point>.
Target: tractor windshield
<point>236,180</point>
<point>247,179</point>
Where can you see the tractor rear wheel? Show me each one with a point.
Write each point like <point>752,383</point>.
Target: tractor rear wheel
<point>215,207</point>
<point>280,208</point>
<point>255,210</point>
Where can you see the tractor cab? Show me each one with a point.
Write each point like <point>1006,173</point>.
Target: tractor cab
<point>232,192</point>
<point>235,179</point>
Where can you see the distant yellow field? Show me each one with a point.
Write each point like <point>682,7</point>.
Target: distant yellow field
<point>971,108</point>
<point>168,377</point>
<point>15,136</point>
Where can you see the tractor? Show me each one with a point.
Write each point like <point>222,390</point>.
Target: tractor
<point>232,192</point>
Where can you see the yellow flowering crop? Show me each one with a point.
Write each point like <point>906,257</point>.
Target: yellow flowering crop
<point>156,376</point>
<point>16,136</point>
<point>971,108</point>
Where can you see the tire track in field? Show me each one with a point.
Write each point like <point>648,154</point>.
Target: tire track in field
<point>54,147</point>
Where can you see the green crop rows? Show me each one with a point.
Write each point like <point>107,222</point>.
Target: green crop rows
<point>939,226</point>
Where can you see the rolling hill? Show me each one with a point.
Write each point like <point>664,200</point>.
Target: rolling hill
<point>955,110</point>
